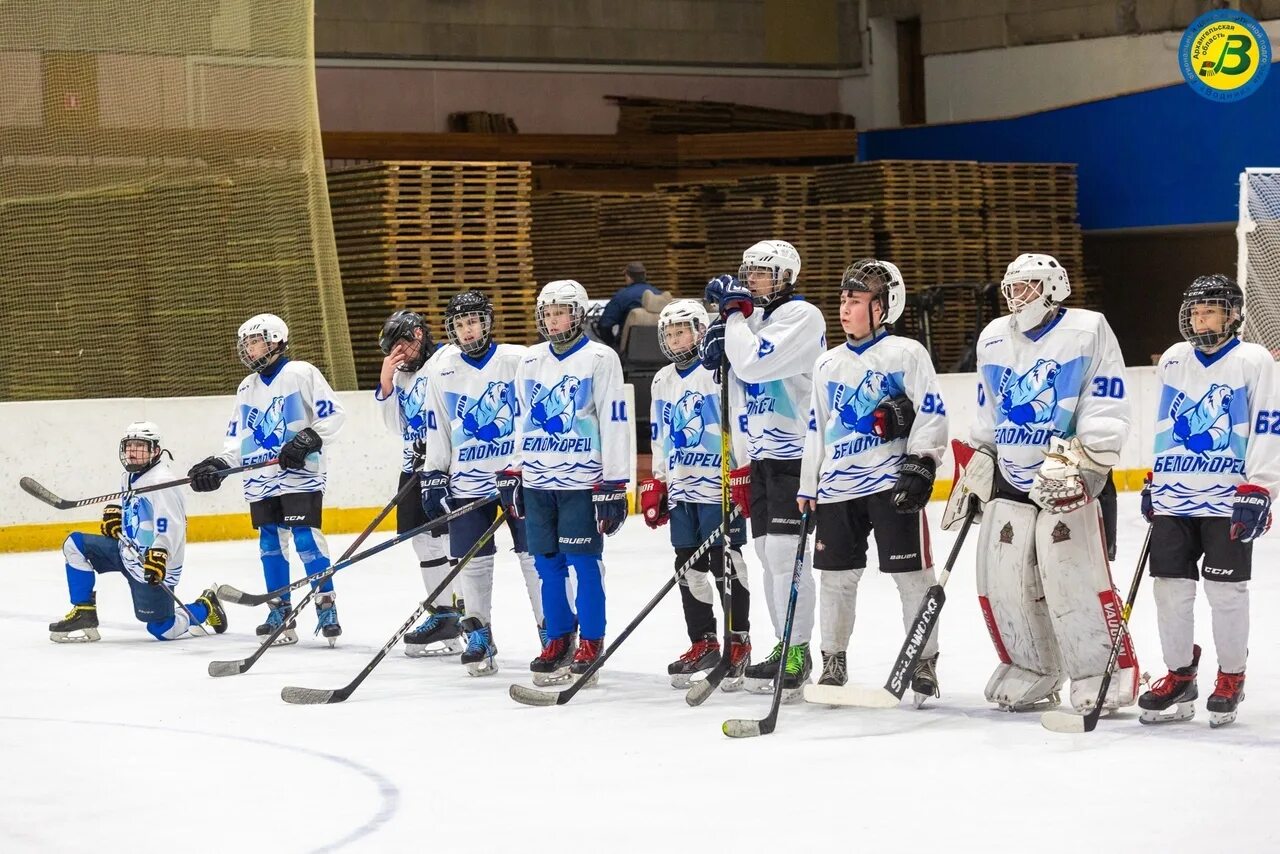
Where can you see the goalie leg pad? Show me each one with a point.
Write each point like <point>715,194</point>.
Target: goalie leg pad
<point>1013,605</point>
<point>1071,553</point>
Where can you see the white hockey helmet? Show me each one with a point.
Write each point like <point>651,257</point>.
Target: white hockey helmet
<point>690,311</point>
<point>881,279</point>
<point>563,292</point>
<point>1053,288</point>
<point>140,431</point>
<point>781,259</point>
<point>271,330</point>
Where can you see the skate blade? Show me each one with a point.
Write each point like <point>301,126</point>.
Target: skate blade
<point>791,696</point>
<point>1178,713</point>
<point>1220,719</point>
<point>556,677</point>
<point>85,636</point>
<point>1043,704</point>
<point>590,681</point>
<point>419,650</point>
<point>850,695</point>
<point>731,684</point>
<point>288,638</point>
<point>684,681</point>
<point>757,686</point>
<point>487,667</point>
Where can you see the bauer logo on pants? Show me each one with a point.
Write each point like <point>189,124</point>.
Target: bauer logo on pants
<point>1224,55</point>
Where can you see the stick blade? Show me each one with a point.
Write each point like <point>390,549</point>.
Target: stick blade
<point>850,695</point>
<point>35,490</point>
<point>744,728</point>
<point>309,696</point>
<point>702,689</point>
<point>227,668</point>
<point>1058,721</point>
<point>234,595</point>
<point>533,696</point>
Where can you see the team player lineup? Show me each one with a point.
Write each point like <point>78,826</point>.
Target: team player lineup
<point>759,429</point>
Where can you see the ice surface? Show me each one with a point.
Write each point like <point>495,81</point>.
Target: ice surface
<point>128,745</point>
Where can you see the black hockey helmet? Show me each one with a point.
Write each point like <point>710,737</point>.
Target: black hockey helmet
<point>400,327</point>
<point>1214,290</point>
<point>467,304</point>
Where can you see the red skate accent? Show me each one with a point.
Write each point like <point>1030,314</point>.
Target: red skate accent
<point>588,651</point>
<point>1228,685</point>
<point>994,631</point>
<point>699,649</point>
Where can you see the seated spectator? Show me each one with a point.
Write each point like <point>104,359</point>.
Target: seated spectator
<point>628,298</point>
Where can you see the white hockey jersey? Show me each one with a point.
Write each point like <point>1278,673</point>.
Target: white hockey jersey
<point>1067,381</point>
<point>269,413</point>
<point>406,413</point>
<point>1217,426</point>
<point>843,458</point>
<point>685,432</point>
<point>574,430</point>
<point>472,428</point>
<point>155,520</point>
<point>772,353</point>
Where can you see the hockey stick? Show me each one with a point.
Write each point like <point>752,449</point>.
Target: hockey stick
<point>35,490</point>
<point>191,618</point>
<point>912,647</point>
<point>1070,722</point>
<point>237,596</point>
<point>314,696</point>
<point>232,668</point>
<point>741,727</point>
<point>535,697</point>
<point>702,689</point>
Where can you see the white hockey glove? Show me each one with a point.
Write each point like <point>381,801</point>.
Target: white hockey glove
<point>1070,476</point>
<point>974,478</point>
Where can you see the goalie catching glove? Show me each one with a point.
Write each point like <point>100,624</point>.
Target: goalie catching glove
<point>1070,476</point>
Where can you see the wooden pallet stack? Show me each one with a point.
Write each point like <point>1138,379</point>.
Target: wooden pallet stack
<point>411,234</point>
<point>1031,207</point>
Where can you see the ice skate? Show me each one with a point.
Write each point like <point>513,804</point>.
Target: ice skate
<point>796,673</point>
<point>480,654</point>
<point>835,669</point>
<point>924,681</point>
<point>739,658</point>
<point>280,613</point>
<point>1228,694</point>
<point>79,626</point>
<point>758,678</point>
<point>327,617</point>
<point>217,619</point>
<point>1172,697</point>
<point>552,666</point>
<point>703,655</point>
<point>439,634</point>
<point>588,652</point>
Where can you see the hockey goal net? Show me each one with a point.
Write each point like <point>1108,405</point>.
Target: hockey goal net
<point>1258,263</point>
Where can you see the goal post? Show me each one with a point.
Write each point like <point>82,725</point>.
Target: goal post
<point>1258,255</point>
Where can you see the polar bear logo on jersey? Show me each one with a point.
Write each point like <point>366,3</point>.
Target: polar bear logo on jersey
<point>412,404</point>
<point>268,425</point>
<point>1206,425</point>
<point>856,408</point>
<point>556,409</point>
<point>1032,397</point>
<point>686,420</point>
<point>136,516</point>
<point>491,416</point>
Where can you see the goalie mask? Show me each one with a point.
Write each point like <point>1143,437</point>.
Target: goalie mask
<point>261,340</point>
<point>561,326</point>
<point>681,326</point>
<point>883,281</point>
<point>770,269</point>
<point>1033,287</point>
<point>140,446</point>
<point>468,321</point>
<point>1212,312</point>
<point>402,326</point>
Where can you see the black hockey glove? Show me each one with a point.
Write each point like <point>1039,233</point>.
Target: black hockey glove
<point>154,565</point>
<point>915,484</point>
<point>206,475</point>
<point>893,418</point>
<point>111,521</point>
<point>293,455</point>
<point>435,494</point>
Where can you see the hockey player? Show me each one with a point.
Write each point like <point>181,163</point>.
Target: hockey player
<point>876,432</point>
<point>685,490</point>
<point>471,436</point>
<point>771,338</point>
<point>144,538</point>
<point>1052,417</point>
<point>403,399</point>
<point>570,475</point>
<point>284,409</point>
<point>1217,464</point>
